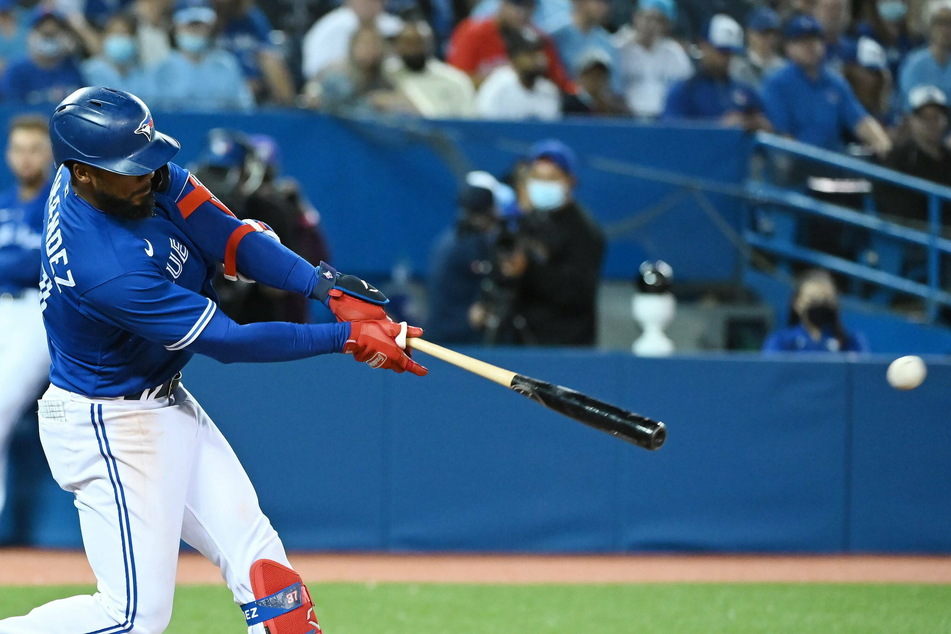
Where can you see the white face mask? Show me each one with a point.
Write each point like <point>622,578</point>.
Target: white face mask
<point>546,195</point>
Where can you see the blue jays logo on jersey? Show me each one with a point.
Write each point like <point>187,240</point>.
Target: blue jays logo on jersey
<point>146,128</point>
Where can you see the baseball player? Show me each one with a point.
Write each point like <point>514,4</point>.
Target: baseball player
<point>130,247</point>
<point>24,360</point>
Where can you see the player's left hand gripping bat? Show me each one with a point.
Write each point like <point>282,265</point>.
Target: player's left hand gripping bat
<point>633,428</point>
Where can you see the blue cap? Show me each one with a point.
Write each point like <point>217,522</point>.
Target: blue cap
<point>763,19</point>
<point>802,26</point>
<point>667,7</point>
<point>187,11</point>
<point>42,12</point>
<point>557,152</point>
<point>267,149</point>
<point>226,148</point>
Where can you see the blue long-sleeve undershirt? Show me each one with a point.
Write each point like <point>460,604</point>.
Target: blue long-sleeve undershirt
<point>229,342</point>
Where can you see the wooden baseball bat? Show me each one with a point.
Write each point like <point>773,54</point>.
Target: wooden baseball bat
<point>633,428</point>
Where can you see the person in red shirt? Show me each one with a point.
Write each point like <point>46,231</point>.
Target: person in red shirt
<point>478,46</point>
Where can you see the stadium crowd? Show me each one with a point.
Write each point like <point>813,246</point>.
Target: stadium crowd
<point>740,62</point>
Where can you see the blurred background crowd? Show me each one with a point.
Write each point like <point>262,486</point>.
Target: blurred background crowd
<point>503,59</point>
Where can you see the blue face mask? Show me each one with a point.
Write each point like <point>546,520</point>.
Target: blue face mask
<point>191,43</point>
<point>546,195</point>
<point>892,10</point>
<point>119,48</point>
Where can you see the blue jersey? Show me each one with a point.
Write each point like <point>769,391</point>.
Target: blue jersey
<point>21,227</point>
<point>821,111</point>
<point>797,339</point>
<point>705,97</point>
<point>123,299</point>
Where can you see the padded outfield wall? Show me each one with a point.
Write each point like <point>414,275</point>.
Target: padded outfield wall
<point>811,455</point>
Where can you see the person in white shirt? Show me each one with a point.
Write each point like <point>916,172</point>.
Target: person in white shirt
<point>328,40</point>
<point>435,89</point>
<point>650,61</point>
<point>520,90</point>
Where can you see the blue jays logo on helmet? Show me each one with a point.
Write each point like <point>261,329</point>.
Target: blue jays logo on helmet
<point>146,128</point>
<point>109,129</point>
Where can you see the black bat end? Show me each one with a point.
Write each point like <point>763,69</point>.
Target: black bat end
<point>620,423</point>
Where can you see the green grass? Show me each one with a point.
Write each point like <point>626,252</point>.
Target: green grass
<point>579,609</point>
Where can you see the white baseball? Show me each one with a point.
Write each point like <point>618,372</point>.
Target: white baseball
<point>906,373</point>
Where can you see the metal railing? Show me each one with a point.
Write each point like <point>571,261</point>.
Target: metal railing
<point>779,209</point>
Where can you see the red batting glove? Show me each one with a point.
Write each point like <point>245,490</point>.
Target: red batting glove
<point>349,308</point>
<point>380,344</point>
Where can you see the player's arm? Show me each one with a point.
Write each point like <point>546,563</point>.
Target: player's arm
<point>239,246</point>
<point>246,247</point>
<point>151,307</point>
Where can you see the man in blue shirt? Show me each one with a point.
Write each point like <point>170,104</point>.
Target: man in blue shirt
<point>711,94</point>
<point>50,70</point>
<point>24,360</point>
<point>131,245</point>
<point>198,74</point>
<point>810,103</point>
<point>931,64</point>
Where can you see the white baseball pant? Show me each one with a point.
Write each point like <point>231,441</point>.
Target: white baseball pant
<point>145,474</point>
<point>24,367</point>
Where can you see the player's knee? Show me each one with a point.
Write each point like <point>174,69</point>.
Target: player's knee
<point>140,614</point>
<point>282,602</point>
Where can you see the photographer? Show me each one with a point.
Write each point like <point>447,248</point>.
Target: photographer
<point>460,262</point>
<point>547,276</point>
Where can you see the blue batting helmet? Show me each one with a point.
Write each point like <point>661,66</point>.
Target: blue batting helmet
<point>109,129</point>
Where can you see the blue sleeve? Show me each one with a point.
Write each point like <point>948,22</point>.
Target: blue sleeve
<point>676,106</point>
<point>20,268</point>
<point>226,341</point>
<point>778,109</point>
<point>259,257</point>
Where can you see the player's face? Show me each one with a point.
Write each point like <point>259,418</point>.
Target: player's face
<point>29,156</point>
<point>117,194</point>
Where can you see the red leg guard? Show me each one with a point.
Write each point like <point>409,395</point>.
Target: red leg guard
<point>271,579</point>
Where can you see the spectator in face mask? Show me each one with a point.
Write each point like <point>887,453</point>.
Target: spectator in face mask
<point>813,323</point>
<point>436,89</point>
<point>199,75</point>
<point>521,89</point>
<point>556,261</point>
<point>50,71</point>
<point>117,66</point>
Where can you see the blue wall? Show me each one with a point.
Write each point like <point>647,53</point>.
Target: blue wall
<point>764,455</point>
<point>386,189</point>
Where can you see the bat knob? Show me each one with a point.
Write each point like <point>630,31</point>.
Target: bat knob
<point>657,438</point>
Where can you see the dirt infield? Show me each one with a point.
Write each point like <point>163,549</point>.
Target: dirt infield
<point>45,567</point>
